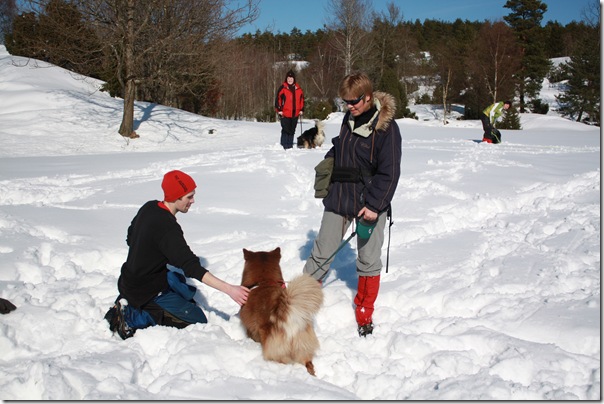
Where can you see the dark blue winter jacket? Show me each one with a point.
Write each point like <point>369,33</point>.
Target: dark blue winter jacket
<point>376,149</point>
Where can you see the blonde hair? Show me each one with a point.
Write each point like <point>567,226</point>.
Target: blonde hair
<point>355,85</point>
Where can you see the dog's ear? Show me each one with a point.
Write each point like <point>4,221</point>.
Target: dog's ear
<point>246,254</point>
<point>277,251</point>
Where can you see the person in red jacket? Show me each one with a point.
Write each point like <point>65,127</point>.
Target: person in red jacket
<point>151,293</point>
<point>289,104</point>
<point>366,169</point>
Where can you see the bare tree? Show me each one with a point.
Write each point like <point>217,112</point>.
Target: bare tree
<point>351,21</point>
<point>446,85</point>
<point>247,80</point>
<point>497,59</point>
<point>591,13</point>
<point>323,71</point>
<point>448,64</point>
<point>407,54</point>
<point>164,46</point>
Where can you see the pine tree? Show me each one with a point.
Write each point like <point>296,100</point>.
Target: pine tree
<point>581,99</point>
<point>511,119</point>
<point>525,20</point>
<point>391,85</point>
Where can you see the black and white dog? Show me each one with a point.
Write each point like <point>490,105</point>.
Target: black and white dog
<point>312,137</point>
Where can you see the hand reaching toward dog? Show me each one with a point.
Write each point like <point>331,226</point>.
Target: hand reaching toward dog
<point>239,294</point>
<point>236,292</point>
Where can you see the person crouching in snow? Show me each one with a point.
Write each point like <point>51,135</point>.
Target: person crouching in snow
<point>366,169</point>
<point>489,116</point>
<point>150,293</point>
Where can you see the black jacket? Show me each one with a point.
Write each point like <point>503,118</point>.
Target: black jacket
<point>376,149</point>
<point>155,239</point>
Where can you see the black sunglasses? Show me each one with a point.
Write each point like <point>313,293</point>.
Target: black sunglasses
<point>355,101</point>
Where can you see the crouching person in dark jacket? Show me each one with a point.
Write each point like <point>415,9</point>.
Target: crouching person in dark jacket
<point>366,169</point>
<point>149,292</point>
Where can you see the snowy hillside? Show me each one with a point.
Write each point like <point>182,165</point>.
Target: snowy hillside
<point>492,290</point>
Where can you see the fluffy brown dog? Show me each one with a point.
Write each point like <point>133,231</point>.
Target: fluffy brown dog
<point>280,317</point>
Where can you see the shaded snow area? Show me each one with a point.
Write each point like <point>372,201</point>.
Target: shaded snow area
<point>492,290</point>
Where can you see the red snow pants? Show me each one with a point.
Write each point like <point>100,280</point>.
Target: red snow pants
<point>367,292</point>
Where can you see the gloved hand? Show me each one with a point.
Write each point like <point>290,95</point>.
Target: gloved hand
<point>6,306</point>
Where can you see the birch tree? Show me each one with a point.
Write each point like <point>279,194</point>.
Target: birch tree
<point>498,59</point>
<point>351,23</point>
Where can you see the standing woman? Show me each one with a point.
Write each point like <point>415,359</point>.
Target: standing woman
<point>289,104</point>
<point>366,169</point>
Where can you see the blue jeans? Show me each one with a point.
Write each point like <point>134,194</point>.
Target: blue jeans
<point>177,300</point>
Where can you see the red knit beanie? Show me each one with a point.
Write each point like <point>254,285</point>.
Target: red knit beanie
<point>177,184</point>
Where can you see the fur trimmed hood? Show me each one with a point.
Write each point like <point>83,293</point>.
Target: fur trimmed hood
<point>386,105</point>
<point>386,108</point>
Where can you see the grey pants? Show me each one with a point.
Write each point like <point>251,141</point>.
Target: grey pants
<point>331,234</point>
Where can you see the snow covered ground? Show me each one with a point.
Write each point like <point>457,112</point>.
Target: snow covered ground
<point>492,292</point>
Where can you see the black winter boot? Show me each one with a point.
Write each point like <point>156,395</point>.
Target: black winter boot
<point>365,330</point>
<point>117,322</point>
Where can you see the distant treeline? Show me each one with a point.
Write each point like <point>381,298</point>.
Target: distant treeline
<point>184,54</point>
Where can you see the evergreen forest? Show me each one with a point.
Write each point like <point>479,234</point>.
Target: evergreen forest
<point>185,54</point>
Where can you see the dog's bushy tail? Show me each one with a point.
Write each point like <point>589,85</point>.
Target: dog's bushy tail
<point>305,297</point>
<point>320,125</point>
<point>320,138</point>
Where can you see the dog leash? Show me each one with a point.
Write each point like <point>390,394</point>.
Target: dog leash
<point>362,228</point>
<point>354,233</point>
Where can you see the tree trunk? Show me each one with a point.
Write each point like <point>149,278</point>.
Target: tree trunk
<point>127,126</point>
<point>445,95</point>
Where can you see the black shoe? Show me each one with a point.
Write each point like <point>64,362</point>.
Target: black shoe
<point>365,330</point>
<point>117,322</point>
<point>111,318</point>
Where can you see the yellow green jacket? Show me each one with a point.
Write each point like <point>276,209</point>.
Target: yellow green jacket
<point>494,111</point>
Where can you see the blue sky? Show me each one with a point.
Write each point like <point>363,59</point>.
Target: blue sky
<point>284,15</point>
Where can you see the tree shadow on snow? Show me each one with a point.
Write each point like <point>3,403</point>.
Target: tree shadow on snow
<point>146,115</point>
<point>344,263</point>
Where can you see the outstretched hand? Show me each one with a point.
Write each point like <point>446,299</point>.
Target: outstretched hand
<point>239,294</point>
